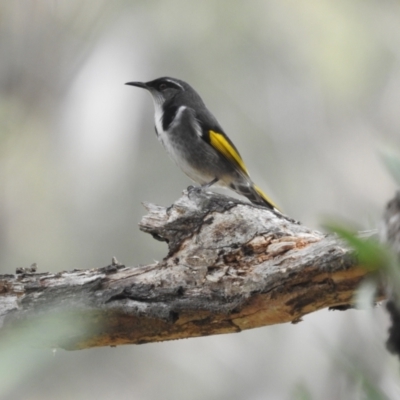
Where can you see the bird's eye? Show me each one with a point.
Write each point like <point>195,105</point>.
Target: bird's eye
<point>162,86</point>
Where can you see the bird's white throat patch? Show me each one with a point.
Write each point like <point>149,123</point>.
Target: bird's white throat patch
<point>158,113</point>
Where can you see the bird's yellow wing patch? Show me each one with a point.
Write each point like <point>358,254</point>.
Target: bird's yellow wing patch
<point>219,142</point>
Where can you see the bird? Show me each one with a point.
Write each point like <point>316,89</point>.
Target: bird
<point>196,142</point>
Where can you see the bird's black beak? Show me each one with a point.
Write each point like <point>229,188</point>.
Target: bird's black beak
<point>138,84</point>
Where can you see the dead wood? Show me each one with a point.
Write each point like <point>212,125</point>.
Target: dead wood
<point>231,266</point>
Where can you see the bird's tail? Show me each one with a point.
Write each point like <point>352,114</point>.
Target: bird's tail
<point>254,194</point>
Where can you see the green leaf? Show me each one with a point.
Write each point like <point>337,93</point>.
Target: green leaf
<point>371,254</point>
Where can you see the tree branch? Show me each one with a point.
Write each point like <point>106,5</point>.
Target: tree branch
<point>231,266</point>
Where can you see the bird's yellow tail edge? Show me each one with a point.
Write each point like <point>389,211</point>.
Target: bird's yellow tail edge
<point>265,197</point>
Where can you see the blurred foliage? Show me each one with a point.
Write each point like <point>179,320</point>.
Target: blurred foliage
<point>301,393</point>
<point>371,254</point>
<point>19,360</point>
<point>366,389</point>
<point>392,161</point>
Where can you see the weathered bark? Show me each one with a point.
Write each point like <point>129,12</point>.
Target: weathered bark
<point>390,234</point>
<point>231,266</point>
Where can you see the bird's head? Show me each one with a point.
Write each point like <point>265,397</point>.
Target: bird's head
<point>163,89</point>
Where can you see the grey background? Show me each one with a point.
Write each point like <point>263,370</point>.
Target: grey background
<point>310,94</point>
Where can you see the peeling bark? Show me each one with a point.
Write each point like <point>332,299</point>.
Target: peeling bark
<point>231,266</point>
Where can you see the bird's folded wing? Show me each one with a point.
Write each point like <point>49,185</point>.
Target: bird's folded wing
<point>223,145</point>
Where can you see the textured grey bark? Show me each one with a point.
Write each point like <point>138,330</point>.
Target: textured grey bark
<point>390,234</point>
<point>231,266</point>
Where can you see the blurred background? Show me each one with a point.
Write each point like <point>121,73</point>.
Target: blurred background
<point>308,91</point>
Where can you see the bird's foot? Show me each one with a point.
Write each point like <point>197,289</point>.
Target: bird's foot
<point>194,189</point>
<point>202,187</point>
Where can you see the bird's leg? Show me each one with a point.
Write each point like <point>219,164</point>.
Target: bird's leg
<point>209,184</point>
<point>203,186</point>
